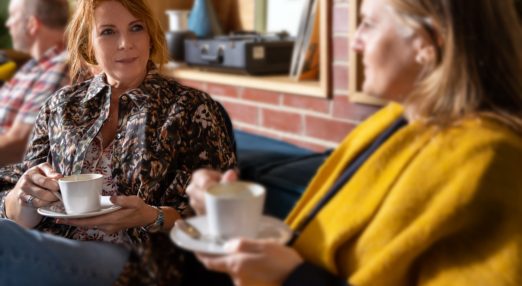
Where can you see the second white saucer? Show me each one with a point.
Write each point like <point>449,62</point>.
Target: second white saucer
<point>269,228</point>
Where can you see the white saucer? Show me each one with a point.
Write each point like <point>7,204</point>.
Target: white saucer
<point>58,211</point>
<point>269,228</point>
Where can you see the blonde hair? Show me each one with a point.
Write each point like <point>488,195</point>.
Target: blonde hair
<point>79,43</point>
<point>478,70</point>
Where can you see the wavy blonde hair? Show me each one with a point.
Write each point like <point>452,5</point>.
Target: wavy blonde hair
<point>79,42</point>
<point>478,70</point>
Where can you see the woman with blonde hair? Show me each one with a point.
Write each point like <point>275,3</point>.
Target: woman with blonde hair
<point>428,190</point>
<point>144,132</point>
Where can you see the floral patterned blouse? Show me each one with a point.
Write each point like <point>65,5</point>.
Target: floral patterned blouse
<point>98,161</point>
<point>165,132</point>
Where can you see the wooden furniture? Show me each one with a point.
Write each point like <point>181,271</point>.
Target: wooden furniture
<point>281,83</point>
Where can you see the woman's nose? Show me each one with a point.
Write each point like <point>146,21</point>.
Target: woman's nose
<point>357,42</point>
<point>125,42</point>
<point>9,22</point>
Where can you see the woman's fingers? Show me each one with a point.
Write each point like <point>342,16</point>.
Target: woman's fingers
<point>128,202</point>
<point>197,202</point>
<point>230,176</point>
<point>130,215</point>
<point>244,245</point>
<point>204,178</point>
<point>31,189</point>
<point>48,171</point>
<point>251,262</point>
<point>201,180</point>
<point>39,193</point>
<point>36,184</point>
<point>237,248</point>
<point>45,177</point>
<point>34,201</point>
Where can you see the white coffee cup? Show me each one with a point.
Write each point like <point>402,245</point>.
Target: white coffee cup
<point>234,209</point>
<point>81,193</point>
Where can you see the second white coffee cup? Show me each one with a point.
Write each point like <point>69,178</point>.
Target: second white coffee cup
<point>234,209</point>
<point>81,193</point>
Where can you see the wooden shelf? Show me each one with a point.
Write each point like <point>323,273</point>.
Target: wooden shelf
<point>281,83</point>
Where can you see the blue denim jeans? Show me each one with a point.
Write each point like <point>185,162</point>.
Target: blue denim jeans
<point>30,257</point>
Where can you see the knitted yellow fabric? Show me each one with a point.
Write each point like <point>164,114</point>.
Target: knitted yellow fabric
<point>429,207</point>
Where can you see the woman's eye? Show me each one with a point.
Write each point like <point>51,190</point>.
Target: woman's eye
<point>107,32</point>
<point>366,24</point>
<point>137,27</point>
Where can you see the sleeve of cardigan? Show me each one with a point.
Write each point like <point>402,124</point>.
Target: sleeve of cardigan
<point>308,274</point>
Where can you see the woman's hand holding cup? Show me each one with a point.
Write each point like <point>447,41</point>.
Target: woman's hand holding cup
<point>201,181</point>
<point>246,256</point>
<point>36,185</point>
<point>232,208</point>
<point>34,190</point>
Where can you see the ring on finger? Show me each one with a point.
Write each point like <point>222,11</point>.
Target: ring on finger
<point>29,201</point>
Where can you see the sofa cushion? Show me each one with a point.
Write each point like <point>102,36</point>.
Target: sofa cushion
<point>254,151</point>
<point>287,180</point>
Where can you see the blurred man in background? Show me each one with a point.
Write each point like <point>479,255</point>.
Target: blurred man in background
<point>37,27</point>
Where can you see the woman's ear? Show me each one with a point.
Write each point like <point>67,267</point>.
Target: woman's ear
<point>425,52</point>
<point>33,25</point>
<point>426,55</point>
<point>428,43</point>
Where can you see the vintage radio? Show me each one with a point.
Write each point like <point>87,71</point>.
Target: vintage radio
<point>249,53</point>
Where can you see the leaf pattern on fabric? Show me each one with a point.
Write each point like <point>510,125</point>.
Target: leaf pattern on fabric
<point>165,132</point>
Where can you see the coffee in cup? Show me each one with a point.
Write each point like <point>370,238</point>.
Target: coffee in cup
<point>81,193</point>
<point>234,209</point>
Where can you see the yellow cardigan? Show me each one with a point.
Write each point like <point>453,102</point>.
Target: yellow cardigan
<point>429,207</point>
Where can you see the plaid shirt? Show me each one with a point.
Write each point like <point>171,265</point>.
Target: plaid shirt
<point>22,96</point>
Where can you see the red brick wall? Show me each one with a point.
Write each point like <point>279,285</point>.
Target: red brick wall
<point>313,123</point>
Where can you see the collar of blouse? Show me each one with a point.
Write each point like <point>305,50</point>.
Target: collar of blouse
<point>138,95</point>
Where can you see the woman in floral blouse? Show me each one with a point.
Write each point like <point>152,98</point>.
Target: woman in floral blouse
<point>144,132</point>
